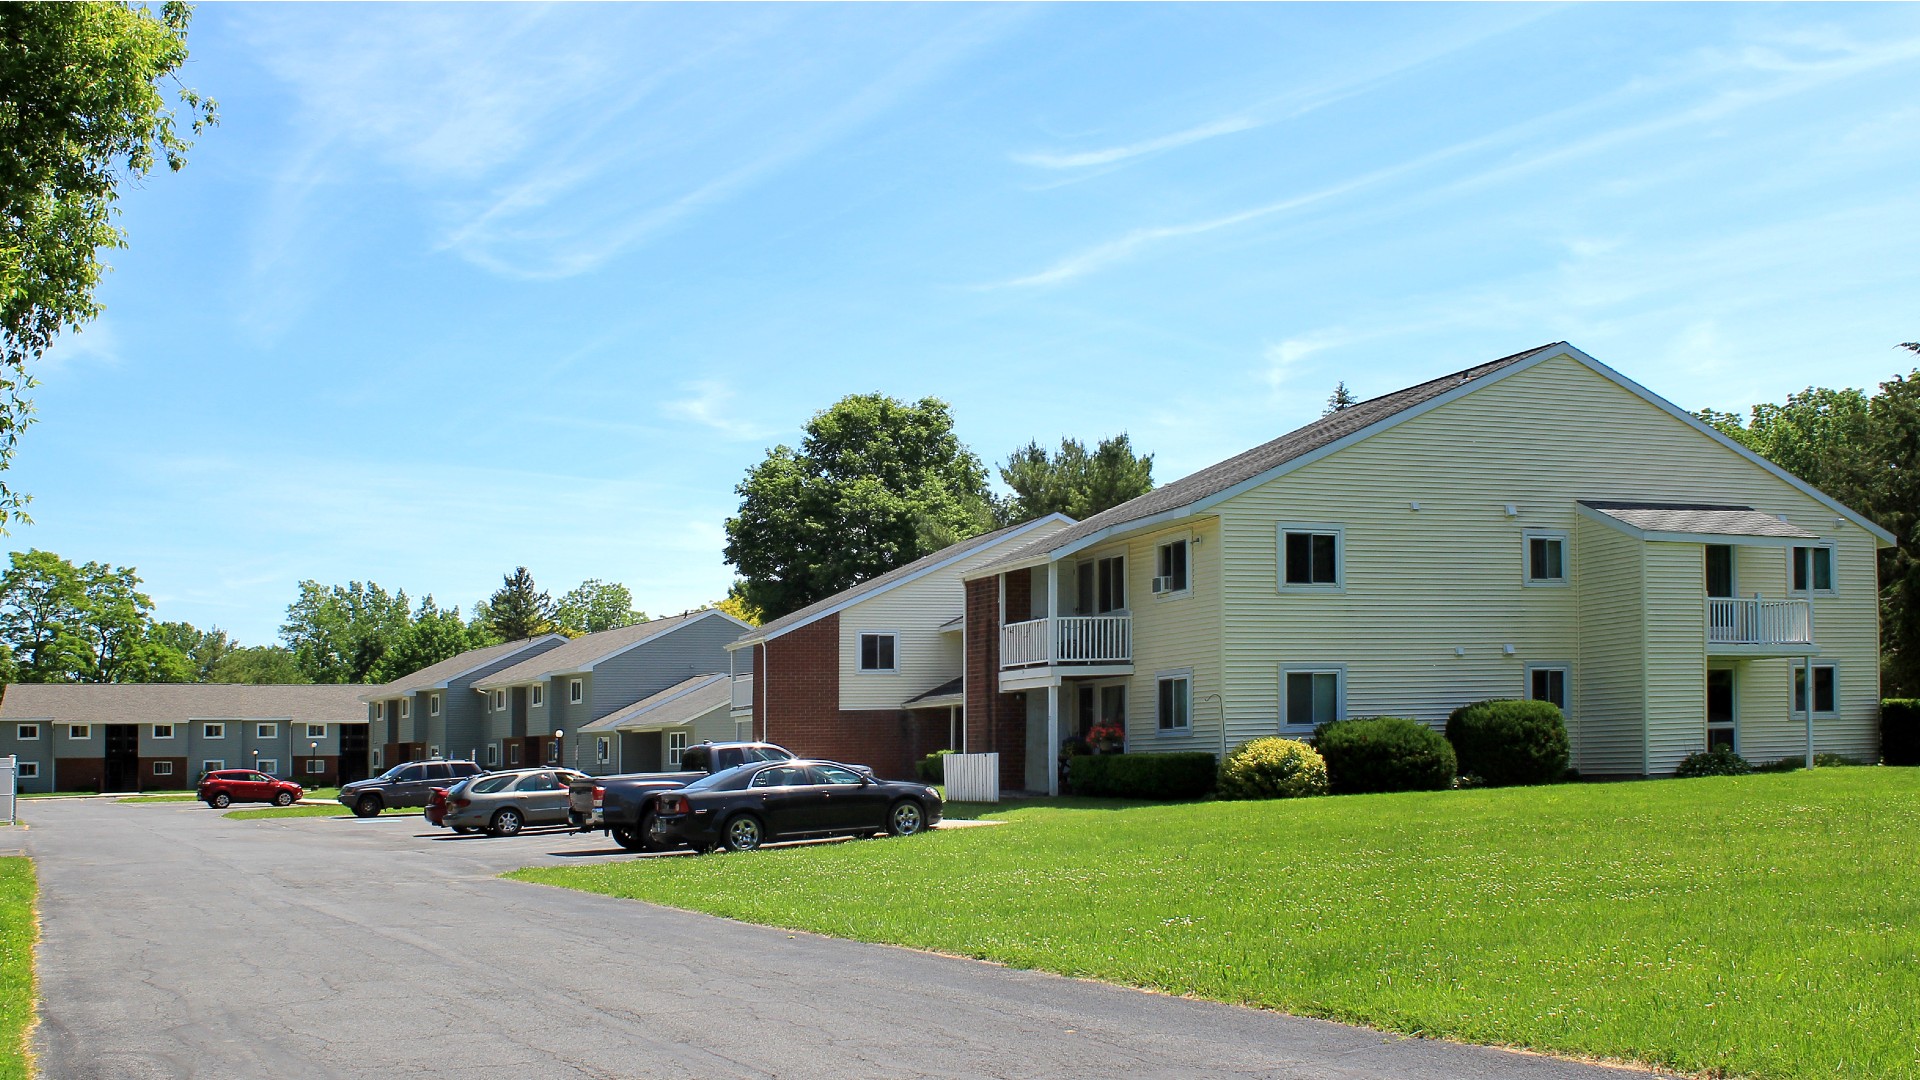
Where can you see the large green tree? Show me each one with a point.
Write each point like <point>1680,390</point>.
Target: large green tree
<point>875,483</point>
<point>341,633</point>
<point>81,111</point>
<point>202,649</point>
<point>88,622</point>
<point>519,609</point>
<point>595,605</point>
<point>433,635</point>
<point>259,664</point>
<point>1072,481</point>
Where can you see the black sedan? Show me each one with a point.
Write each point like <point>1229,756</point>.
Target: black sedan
<point>743,808</point>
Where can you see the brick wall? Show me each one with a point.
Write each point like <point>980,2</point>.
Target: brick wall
<point>180,777</point>
<point>79,774</point>
<point>996,722</point>
<point>797,705</point>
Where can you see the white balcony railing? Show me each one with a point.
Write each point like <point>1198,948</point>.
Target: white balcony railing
<point>1736,621</point>
<point>743,692</point>
<point>1072,639</point>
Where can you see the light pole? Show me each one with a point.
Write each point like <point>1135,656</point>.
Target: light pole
<point>256,759</point>
<point>559,740</point>
<point>313,754</point>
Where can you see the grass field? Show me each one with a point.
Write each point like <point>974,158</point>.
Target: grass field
<point>335,810</point>
<point>1765,925</point>
<point>17,933</point>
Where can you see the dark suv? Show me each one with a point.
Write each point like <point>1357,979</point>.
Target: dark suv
<point>411,784</point>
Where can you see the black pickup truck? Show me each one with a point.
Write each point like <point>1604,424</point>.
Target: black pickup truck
<point>623,805</point>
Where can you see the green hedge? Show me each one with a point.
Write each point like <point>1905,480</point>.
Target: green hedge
<point>1900,731</point>
<point>1507,742</point>
<point>933,767</point>
<point>1384,753</point>
<point>1719,761</point>
<point>1184,775</point>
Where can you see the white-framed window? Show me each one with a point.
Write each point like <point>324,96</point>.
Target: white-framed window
<point>379,710</point>
<point>316,731</point>
<point>406,708</point>
<point>163,768</point>
<point>602,749</point>
<point>28,732</point>
<point>433,704</point>
<point>1813,568</point>
<point>433,752</point>
<point>1546,556</point>
<point>676,748</point>
<point>269,765</point>
<point>536,696</point>
<point>493,754</point>
<point>27,770</point>
<point>376,757</point>
<point>266,731</point>
<point>1826,688</point>
<point>1549,682</point>
<point>1171,576</point>
<point>212,765</point>
<point>79,731</point>
<point>499,701</point>
<point>163,731</point>
<point>1312,694</point>
<point>1312,558</point>
<point>213,731</point>
<point>316,767</point>
<point>576,691</point>
<point>1173,702</point>
<point>1100,585</point>
<point>513,753</point>
<point>879,651</point>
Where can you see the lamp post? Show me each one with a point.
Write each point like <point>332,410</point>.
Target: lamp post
<point>313,754</point>
<point>256,759</point>
<point>559,738</point>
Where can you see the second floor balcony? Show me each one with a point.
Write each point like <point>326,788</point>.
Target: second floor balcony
<point>742,686</point>
<point>1088,640</point>
<point>1756,625</point>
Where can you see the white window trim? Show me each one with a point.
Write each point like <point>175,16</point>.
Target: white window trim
<point>493,754</point>
<point>27,770</point>
<point>163,768</point>
<point>1339,584</point>
<point>675,754</point>
<point>316,731</point>
<point>1527,537</point>
<point>1178,538</point>
<point>266,731</point>
<point>1833,563</point>
<point>576,691</point>
<point>268,765</point>
<point>433,704</point>
<point>379,710</point>
<point>433,752</point>
<point>376,757</point>
<point>316,767</point>
<point>536,696</point>
<point>859,647</point>
<point>1800,709</point>
<point>1339,694</point>
<point>212,765</point>
<point>156,731</point>
<point>20,732</point>
<point>497,701</point>
<point>79,731</point>
<point>602,749</point>
<point>1180,674</point>
<point>406,708</point>
<point>207,732</point>
<point>1566,670</point>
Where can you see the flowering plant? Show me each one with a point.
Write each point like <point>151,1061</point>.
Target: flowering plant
<point>1107,737</point>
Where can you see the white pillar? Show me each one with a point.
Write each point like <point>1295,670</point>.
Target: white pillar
<point>1806,676</point>
<point>1053,605</point>
<point>1053,735</point>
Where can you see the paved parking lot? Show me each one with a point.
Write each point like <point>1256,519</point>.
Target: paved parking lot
<point>179,943</point>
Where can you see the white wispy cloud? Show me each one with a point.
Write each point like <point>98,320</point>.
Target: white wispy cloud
<point>710,404</point>
<point>1109,155</point>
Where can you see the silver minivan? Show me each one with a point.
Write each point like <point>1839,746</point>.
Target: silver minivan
<point>503,803</point>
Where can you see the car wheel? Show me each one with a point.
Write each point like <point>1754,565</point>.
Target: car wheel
<point>221,800</point>
<point>743,833</point>
<point>506,822</point>
<point>906,818</point>
<point>629,837</point>
<point>367,806</point>
<point>284,798</point>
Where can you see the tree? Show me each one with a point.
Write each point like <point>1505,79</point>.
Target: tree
<point>737,606</point>
<point>202,649</point>
<point>82,112</point>
<point>340,633</point>
<point>82,623</point>
<point>596,605</point>
<point>1073,482</point>
<point>875,483</point>
<point>1341,398</point>
<point>258,664</point>
<point>518,609</point>
<point>434,634</point>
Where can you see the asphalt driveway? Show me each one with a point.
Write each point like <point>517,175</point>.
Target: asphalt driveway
<point>179,943</point>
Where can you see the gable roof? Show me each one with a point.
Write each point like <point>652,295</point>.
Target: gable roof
<point>438,676</point>
<point>898,576</point>
<point>585,651</point>
<point>1686,521</point>
<point>676,706</point>
<point>1304,445</point>
<point>180,703</point>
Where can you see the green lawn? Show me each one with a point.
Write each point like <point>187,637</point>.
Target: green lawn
<point>17,933</point>
<point>308,811</point>
<point>175,797</point>
<point>1764,925</point>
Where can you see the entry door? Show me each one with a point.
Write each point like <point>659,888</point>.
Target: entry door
<point>1722,708</point>
<point>1720,570</point>
<point>353,752</point>
<point>123,757</point>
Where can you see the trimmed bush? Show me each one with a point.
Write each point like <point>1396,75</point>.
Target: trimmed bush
<point>1273,768</point>
<point>1384,753</point>
<point>1719,761</point>
<point>1508,742</point>
<point>1185,775</point>
<point>933,767</point>
<point>1785,764</point>
<point>1900,731</point>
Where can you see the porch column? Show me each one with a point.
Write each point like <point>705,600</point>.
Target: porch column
<point>1806,683</point>
<point>1053,604</point>
<point>1053,734</point>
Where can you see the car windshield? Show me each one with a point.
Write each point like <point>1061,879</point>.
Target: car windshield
<point>724,780</point>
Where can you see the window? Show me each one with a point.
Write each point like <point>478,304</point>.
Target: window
<point>1174,704</point>
<point>576,691</point>
<point>28,732</point>
<point>79,731</point>
<point>163,768</point>
<point>536,696</point>
<point>406,708</point>
<point>1100,585</point>
<point>1813,569</point>
<point>163,731</point>
<point>834,774</point>
<point>379,710</point>
<point>493,754</point>
<point>499,701</point>
<point>433,751</point>
<point>1172,576</point>
<point>438,771</point>
<point>213,731</point>
<point>1548,682</point>
<point>316,731</point>
<point>267,731</point>
<point>1546,558</point>
<point>212,766</point>
<point>28,770</point>
<point>269,765</point>
<point>1310,557</point>
<point>493,784</point>
<point>316,767</point>
<point>433,705</point>
<point>1313,696</point>
<point>1826,689</point>
<point>602,749</point>
<point>877,651</point>
<point>676,748</point>
<point>513,754</point>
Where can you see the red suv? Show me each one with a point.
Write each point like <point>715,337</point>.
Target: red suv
<point>224,787</point>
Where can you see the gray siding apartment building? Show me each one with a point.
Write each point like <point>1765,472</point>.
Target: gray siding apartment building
<point>435,712</point>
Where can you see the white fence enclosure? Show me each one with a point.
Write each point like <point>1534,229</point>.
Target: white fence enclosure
<point>9,776</point>
<point>973,777</point>
<point>1733,621</point>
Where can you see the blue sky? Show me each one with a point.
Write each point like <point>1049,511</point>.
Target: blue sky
<point>455,289</point>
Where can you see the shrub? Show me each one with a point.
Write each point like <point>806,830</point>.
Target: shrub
<point>1384,753</point>
<point>1506,742</point>
<point>933,767</point>
<point>1832,761</point>
<point>1720,761</point>
<point>1900,731</point>
<point>1185,775</point>
<point>1785,764</point>
<point>1272,768</point>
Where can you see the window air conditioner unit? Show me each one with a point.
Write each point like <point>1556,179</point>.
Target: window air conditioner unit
<point>1163,584</point>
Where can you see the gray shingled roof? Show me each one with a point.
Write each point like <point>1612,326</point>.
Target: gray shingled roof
<point>1297,443</point>
<point>884,581</point>
<point>588,649</point>
<point>677,705</point>
<point>178,703</point>
<point>436,675</point>
<point>1700,518</point>
<point>949,689</point>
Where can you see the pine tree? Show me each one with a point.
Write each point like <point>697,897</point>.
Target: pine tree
<point>519,609</point>
<point>1341,398</point>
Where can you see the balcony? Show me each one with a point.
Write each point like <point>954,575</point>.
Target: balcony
<point>1089,640</point>
<point>1759,627</point>
<point>742,693</point>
